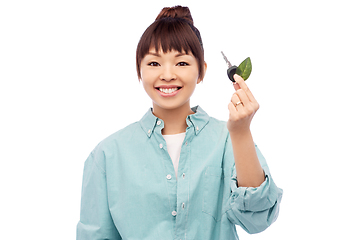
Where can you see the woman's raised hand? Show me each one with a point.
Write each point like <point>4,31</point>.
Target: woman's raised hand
<point>242,107</point>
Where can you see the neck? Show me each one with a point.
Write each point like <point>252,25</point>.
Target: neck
<point>174,119</point>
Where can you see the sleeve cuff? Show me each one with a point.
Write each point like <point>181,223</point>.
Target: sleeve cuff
<point>255,199</point>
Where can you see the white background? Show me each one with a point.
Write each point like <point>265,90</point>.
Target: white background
<point>68,80</point>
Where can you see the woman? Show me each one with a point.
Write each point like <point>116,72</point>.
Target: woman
<point>178,173</point>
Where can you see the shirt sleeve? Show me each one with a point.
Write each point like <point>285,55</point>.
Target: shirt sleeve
<point>255,209</point>
<point>95,218</point>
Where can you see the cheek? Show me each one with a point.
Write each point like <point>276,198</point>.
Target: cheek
<point>144,71</point>
<point>194,73</point>
<point>194,78</point>
<point>147,75</point>
<point>146,85</point>
<point>144,77</point>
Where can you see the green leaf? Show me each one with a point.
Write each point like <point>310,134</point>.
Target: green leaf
<point>244,69</point>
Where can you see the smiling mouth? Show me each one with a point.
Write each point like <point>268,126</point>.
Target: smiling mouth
<point>168,90</point>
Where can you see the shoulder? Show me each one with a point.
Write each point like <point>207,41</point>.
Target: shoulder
<point>214,131</point>
<point>217,125</point>
<point>123,135</point>
<point>203,120</point>
<point>116,142</point>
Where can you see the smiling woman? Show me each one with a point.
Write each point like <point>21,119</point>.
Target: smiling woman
<point>173,174</point>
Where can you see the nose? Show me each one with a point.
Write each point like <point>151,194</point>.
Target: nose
<point>168,74</point>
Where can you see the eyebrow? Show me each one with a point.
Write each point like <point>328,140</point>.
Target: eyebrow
<point>180,54</point>
<point>157,55</point>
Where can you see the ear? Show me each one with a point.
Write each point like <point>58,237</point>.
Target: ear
<point>200,79</point>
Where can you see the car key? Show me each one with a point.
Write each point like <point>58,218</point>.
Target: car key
<point>231,69</point>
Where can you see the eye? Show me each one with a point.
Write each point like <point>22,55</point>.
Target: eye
<point>154,64</point>
<point>182,64</point>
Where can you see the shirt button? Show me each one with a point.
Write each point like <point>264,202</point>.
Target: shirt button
<point>161,145</point>
<point>169,176</point>
<point>183,205</point>
<point>159,122</point>
<point>183,175</point>
<point>174,213</point>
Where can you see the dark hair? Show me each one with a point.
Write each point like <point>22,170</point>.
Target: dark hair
<point>173,29</point>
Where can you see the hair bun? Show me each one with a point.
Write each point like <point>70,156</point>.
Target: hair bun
<point>176,12</point>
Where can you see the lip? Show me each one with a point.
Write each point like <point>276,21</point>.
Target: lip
<point>168,94</point>
<point>168,86</point>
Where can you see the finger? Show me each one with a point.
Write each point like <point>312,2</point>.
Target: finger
<point>243,96</point>
<point>236,86</point>
<point>232,108</point>
<point>235,99</point>
<point>237,102</point>
<point>244,86</point>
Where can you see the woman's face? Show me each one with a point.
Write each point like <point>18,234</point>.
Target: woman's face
<point>169,78</point>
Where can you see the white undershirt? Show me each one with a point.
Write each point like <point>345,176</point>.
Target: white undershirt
<point>174,143</point>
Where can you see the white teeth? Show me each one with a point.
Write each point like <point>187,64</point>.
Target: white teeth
<point>168,90</point>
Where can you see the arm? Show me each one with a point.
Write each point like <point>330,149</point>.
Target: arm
<point>254,200</point>
<point>95,218</point>
<point>248,168</point>
<point>243,107</point>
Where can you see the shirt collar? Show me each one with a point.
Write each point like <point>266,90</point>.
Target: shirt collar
<point>198,120</point>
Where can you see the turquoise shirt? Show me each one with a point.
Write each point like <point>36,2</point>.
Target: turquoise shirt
<point>130,191</point>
